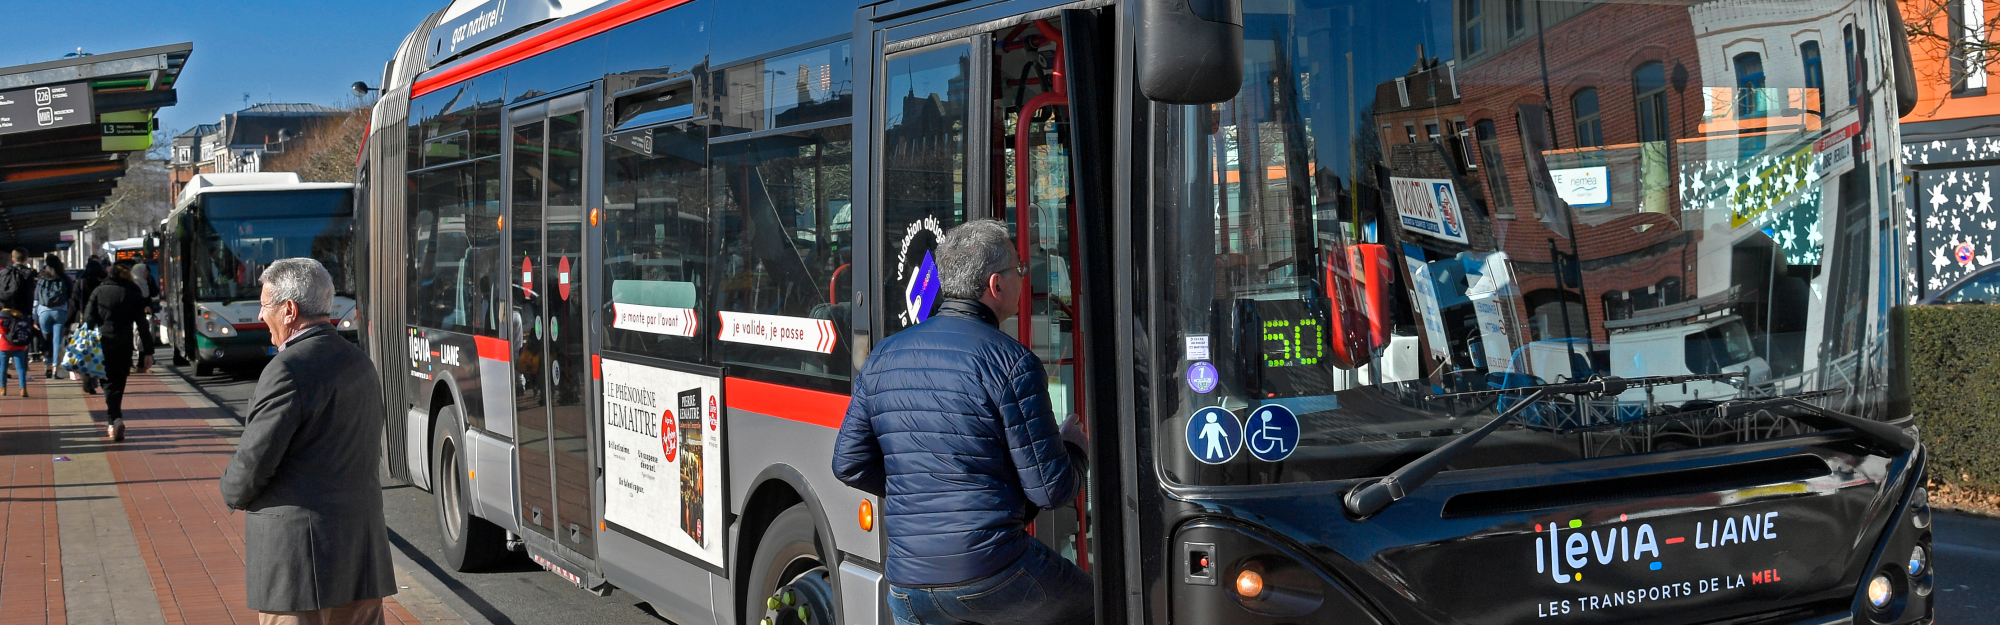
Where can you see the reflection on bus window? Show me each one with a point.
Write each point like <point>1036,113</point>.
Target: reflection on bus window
<point>656,238</point>
<point>247,231</point>
<point>784,240</point>
<point>1635,189</point>
<point>454,248</point>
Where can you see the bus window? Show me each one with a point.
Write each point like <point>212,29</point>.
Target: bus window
<point>784,237</point>
<point>923,174</point>
<point>241,236</point>
<point>454,248</point>
<point>656,241</point>
<point>799,88</point>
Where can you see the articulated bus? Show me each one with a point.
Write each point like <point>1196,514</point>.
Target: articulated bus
<point>1482,311</point>
<point>224,230</point>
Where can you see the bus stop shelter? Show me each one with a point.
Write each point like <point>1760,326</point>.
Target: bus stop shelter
<point>67,128</point>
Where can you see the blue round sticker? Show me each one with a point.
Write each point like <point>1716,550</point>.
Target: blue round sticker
<point>1273,433</point>
<point>1202,377</point>
<point>1213,435</point>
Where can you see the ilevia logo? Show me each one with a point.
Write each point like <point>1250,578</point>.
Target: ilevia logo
<point>1571,545</point>
<point>1619,543</point>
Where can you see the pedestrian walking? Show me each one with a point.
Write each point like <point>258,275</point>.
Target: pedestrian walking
<point>17,334</point>
<point>118,310</point>
<point>316,547</point>
<point>53,293</point>
<point>950,423</point>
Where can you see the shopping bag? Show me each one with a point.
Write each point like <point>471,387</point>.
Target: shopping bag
<point>86,353</point>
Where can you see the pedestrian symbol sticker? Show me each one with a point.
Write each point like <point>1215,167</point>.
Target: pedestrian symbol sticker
<point>1213,435</point>
<point>1201,377</point>
<point>1273,433</point>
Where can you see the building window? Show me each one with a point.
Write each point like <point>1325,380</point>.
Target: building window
<point>1815,74</point>
<point>1517,16</point>
<point>1489,155</point>
<point>1589,128</point>
<point>1431,130</point>
<point>1410,131</point>
<point>1968,41</point>
<point>1749,85</point>
<point>1853,58</point>
<point>1649,86</point>
<point>1469,17</point>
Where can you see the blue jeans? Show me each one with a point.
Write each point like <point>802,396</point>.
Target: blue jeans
<point>1041,587</point>
<point>18,358</point>
<point>53,323</point>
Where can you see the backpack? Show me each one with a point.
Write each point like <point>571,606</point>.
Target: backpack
<point>11,283</point>
<point>21,331</point>
<point>53,293</point>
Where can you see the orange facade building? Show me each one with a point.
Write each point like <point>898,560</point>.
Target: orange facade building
<point>1951,142</point>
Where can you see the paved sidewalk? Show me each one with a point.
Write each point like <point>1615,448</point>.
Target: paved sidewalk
<point>93,531</point>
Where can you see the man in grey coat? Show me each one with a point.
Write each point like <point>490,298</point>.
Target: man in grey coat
<point>316,547</point>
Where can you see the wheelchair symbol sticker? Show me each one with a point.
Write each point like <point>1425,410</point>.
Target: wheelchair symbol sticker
<point>1213,435</point>
<point>1272,434</point>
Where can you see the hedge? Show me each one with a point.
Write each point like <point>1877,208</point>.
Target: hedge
<point>1952,364</point>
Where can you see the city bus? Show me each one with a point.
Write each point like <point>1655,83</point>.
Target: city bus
<point>1376,312</point>
<point>224,230</point>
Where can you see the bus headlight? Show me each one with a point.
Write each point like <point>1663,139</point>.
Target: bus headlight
<point>351,319</point>
<point>1919,560</point>
<point>213,324</point>
<point>1880,591</point>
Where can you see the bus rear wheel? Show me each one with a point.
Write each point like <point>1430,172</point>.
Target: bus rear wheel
<point>470,543</point>
<point>789,582</point>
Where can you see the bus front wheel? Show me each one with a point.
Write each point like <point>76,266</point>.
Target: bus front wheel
<point>788,581</point>
<point>203,368</point>
<point>470,543</point>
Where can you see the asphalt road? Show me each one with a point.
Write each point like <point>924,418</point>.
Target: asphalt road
<point>514,592</point>
<point>1968,556</point>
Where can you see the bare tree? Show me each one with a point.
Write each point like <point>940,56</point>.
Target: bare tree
<point>1954,36</point>
<point>325,150</point>
<point>138,203</point>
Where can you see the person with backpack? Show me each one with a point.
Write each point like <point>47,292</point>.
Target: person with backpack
<point>17,333</point>
<point>53,293</point>
<point>17,284</point>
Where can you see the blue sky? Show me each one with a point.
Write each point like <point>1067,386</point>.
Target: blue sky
<point>273,50</point>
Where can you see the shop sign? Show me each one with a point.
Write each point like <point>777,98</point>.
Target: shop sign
<point>1833,154</point>
<point>1429,206</point>
<point>1583,187</point>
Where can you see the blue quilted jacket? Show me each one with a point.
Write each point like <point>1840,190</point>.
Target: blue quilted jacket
<point>950,425</point>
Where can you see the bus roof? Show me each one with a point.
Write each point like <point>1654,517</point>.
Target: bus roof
<point>245,182</point>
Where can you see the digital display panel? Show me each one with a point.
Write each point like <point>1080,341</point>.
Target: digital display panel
<point>1288,346</point>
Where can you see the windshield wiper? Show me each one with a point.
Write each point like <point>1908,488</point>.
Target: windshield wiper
<point>1368,499</point>
<point>1895,439</point>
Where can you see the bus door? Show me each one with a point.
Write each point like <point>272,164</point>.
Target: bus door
<point>551,368</point>
<point>980,127</point>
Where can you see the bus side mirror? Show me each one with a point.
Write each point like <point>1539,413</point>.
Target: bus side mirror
<point>1190,51</point>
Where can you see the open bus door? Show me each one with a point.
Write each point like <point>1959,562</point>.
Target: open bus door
<point>1009,121</point>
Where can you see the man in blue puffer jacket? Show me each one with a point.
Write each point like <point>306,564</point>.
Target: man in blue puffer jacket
<point>950,424</point>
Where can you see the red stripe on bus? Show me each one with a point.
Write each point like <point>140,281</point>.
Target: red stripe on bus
<point>582,28</point>
<point>804,406</point>
<point>596,368</point>
<point>246,327</point>
<point>491,348</point>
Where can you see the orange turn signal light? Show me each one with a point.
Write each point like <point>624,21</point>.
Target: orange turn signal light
<point>866,516</point>
<point>1249,584</point>
<point>593,217</point>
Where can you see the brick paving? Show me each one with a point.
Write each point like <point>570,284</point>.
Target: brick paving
<point>31,589</point>
<point>165,473</point>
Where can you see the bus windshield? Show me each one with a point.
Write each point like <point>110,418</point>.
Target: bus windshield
<point>1407,200</point>
<point>237,235</point>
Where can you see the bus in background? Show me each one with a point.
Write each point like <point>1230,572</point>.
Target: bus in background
<point>1482,311</point>
<point>224,230</point>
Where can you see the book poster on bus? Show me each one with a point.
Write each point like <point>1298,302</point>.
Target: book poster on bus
<point>663,458</point>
